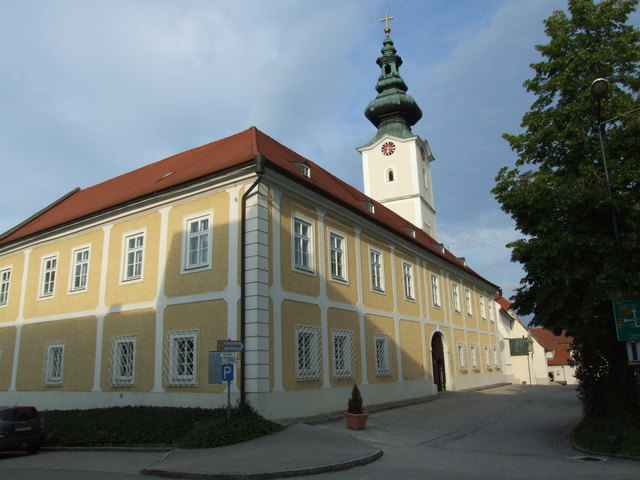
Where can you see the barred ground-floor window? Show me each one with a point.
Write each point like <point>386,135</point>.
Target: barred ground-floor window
<point>462,356</point>
<point>53,368</point>
<point>384,365</point>
<point>181,358</point>
<point>308,353</point>
<point>123,361</point>
<point>343,354</point>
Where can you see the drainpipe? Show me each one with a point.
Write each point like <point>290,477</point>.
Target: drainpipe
<point>259,169</point>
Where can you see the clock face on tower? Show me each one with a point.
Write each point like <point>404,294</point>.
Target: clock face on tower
<point>388,148</point>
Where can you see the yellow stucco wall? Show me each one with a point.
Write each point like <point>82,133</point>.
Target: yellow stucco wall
<point>345,292</point>
<point>119,292</point>
<point>9,312</point>
<point>142,325</point>
<point>408,306</point>
<point>7,344</point>
<point>63,299</point>
<point>339,319</point>
<point>79,335</point>
<point>296,313</point>
<point>374,299</point>
<point>376,324</point>
<point>210,320</point>
<point>412,353</point>
<point>214,278</point>
<point>292,280</point>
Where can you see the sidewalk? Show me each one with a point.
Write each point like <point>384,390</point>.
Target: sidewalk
<point>298,450</point>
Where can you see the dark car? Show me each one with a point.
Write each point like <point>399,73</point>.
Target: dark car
<point>21,428</point>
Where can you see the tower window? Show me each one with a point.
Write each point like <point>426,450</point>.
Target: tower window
<point>391,175</point>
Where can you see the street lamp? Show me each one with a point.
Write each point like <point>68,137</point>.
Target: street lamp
<point>622,307</point>
<point>599,89</point>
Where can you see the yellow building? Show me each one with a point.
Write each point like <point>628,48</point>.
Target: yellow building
<point>116,294</point>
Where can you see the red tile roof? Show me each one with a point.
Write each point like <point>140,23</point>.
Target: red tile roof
<point>227,153</point>
<point>560,345</point>
<point>504,303</point>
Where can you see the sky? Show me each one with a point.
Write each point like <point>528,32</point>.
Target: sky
<point>92,89</point>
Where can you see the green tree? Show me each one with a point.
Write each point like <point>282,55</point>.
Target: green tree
<point>557,194</point>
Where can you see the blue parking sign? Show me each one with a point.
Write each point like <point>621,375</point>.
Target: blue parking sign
<point>227,372</point>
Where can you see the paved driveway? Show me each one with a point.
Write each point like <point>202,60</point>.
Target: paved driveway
<point>515,431</point>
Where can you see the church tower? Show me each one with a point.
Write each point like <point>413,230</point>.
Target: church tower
<point>397,163</point>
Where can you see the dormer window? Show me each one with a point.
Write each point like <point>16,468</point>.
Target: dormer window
<point>371,207</point>
<point>305,170</point>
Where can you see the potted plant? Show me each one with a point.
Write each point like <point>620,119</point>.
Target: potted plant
<point>356,418</point>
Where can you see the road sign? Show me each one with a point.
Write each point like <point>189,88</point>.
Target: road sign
<point>227,372</point>
<point>230,345</point>
<point>627,315</point>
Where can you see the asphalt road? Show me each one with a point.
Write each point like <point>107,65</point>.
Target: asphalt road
<point>516,431</point>
<point>512,432</point>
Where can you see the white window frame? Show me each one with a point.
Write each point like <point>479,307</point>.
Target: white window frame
<point>407,281</point>
<point>138,253</point>
<point>456,297</point>
<point>53,365</point>
<point>204,239</point>
<point>48,276</point>
<point>475,361</point>
<point>435,290</point>
<point>174,376</point>
<point>376,270</point>
<point>302,245</point>
<point>462,356</point>
<point>492,312</point>
<point>496,357</point>
<point>338,257</point>
<point>79,270</point>
<point>308,353</point>
<point>483,309</point>
<point>343,353</point>
<point>5,285</point>
<point>467,301</point>
<point>123,362</point>
<point>487,356</point>
<point>382,348</point>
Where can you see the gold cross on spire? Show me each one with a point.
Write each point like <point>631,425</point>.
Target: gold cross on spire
<point>386,20</point>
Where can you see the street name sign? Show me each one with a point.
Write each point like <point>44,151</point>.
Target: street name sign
<point>230,345</point>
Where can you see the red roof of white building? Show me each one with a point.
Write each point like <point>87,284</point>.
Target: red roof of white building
<point>560,345</point>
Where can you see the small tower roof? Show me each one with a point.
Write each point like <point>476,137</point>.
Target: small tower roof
<point>392,112</point>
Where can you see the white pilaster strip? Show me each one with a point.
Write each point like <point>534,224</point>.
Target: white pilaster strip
<point>161,299</point>
<point>20,320</point>
<point>396,312</point>
<point>322,301</point>
<point>256,357</point>
<point>276,293</point>
<point>361,310</point>
<point>232,291</point>
<point>101,309</point>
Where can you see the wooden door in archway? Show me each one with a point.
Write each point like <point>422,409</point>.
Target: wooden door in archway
<point>437,357</point>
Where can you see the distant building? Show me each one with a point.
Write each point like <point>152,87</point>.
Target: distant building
<point>523,356</point>
<point>558,354</point>
<point>115,294</point>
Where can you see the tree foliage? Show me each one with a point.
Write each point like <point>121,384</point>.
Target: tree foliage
<point>557,193</point>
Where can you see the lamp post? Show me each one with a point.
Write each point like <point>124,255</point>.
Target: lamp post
<point>622,307</point>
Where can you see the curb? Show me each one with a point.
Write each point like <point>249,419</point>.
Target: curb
<point>333,467</point>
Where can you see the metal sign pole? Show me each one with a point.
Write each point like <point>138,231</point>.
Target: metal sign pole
<point>228,399</point>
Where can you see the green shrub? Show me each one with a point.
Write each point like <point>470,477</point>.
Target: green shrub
<point>218,431</point>
<point>143,426</point>
<point>591,435</point>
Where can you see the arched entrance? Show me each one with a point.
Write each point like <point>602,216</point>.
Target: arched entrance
<point>437,358</point>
